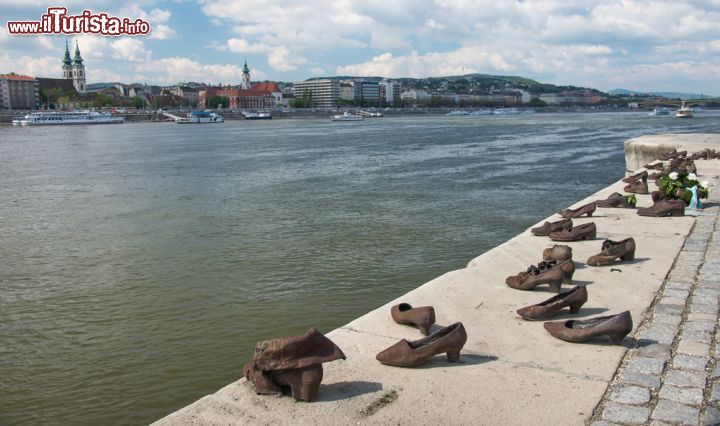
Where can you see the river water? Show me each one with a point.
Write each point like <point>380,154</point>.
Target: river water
<point>140,263</point>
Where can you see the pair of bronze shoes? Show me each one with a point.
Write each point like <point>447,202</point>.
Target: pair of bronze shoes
<point>556,268</point>
<point>291,362</point>
<point>614,326</point>
<point>611,250</point>
<point>564,230</point>
<point>616,200</point>
<point>449,340</point>
<point>664,207</point>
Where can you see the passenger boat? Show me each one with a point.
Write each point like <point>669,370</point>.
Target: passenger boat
<point>255,115</point>
<point>658,112</point>
<point>684,112</point>
<point>45,118</point>
<point>346,116</point>
<point>197,117</point>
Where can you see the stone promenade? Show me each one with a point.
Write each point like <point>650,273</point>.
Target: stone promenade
<point>671,375</point>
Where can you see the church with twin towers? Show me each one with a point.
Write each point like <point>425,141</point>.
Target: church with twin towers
<point>73,69</point>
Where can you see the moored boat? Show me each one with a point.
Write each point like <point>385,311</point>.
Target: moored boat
<point>45,118</point>
<point>346,116</point>
<point>257,115</point>
<point>197,117</point>
<point>684,111</point>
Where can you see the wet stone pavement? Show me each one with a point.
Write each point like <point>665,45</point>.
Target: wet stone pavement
<point>671,374</point>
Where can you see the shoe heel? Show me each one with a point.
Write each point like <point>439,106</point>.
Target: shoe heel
<point>629,256</point>
<point>306,391</point>
<point>575,307</point>
<point>453,355</point>
<point>567,279</point>
<point>424,330</point>
<point>555,286</point>
<point>617,338</point>
<point>677,213</point>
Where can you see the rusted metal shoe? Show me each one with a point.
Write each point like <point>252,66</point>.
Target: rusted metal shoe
<point>637,188</point>
<point>294,362</point>
<point>449,340</point>
<point>656,166</point>
<point>543,311</point>
<point>664,207</point>
<point>549,227</point>
<point>616,200</point>
<point>423,317</point>
<point>588,209</point>
<point>557,252</point>
<point>672,154</point>
<point>529,280</point>
<point>611,250</point>
<point>586,231</point>
<point>636,177</point>
<point>614,326</point>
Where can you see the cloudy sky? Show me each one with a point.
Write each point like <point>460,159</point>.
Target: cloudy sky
<point>633,44</point>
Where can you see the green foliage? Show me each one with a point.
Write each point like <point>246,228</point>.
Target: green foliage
<point>631,199</point>
<point>678,188</point>
<point>102,101</point>
<point>138,102</point>
<point>214,101</point>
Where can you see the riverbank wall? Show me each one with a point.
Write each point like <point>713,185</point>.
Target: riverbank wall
<point>510,372</point>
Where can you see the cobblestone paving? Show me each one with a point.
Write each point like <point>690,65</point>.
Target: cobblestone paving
<point>671,374</point>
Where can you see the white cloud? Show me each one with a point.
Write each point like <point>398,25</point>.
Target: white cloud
<point>130,49</point>
<point>239,45</point>
<point>282,59</point>
<point>172,70</point>
<point>32,66</point>
<point>316,71</point>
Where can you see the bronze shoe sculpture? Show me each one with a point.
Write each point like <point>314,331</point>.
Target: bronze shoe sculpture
<point>637,188</point>
<point>549,227</point>
<point>574,298</point>
<point>422,317</point>
<point>656,166</point>
<point>449,340</point>
<point>672,154</point>
<point>554,277</point>
<point>557,252</point>
<point>614,326</point>
<point>636,177</point>
<point>664,207</point>
<point>294,362</point>
<point>586,231</point>
<point>588,209</point>
<point>611,250</point>
<point>616,200</point>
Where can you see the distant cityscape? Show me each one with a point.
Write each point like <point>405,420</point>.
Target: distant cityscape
<point>22,92</point>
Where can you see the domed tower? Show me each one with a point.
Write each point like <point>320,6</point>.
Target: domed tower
<point>78,70</point>
<point>246,76</point>
<point>67,64</point>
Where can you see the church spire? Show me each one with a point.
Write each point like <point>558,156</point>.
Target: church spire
<point>66,60</point>
<point>77,60</point>
<point>245,76</point>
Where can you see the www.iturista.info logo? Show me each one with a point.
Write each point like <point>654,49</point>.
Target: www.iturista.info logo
<point>57,21</point>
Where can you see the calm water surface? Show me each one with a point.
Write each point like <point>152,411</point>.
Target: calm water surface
<point>141,262</point>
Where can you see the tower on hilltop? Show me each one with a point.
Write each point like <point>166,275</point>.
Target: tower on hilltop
<point>246,76</point>
<point>78,70</point>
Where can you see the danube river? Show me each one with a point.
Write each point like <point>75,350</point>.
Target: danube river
<point>141,262</point>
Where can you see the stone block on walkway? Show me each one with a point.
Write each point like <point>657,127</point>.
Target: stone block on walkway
<point>625,394</point>
<point>640,379</point>
<point>622,413</point>
<point>674,412</point>
<point>690,362</point>
<point>690,396</point>
<point>686,379</point>
<point>653,350</point>
<point>711,416</point>
<point>691,347</point>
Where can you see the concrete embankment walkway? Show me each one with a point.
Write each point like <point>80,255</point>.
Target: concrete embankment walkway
<point>510,371</point>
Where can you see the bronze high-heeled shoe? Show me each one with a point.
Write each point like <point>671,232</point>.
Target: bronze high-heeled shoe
<point>574,298</point>
<point>614,326</point>
<point>586,231</point>
<point>449,340</point>
<point>529,280</point>
<point>588,209</point>
<point>422,317</point>
<point>625,250</point>
<point>637,188</point>
<point>615,200</point>
<point>636,177</point>
<point>664,207</point>
<point>549,227</point>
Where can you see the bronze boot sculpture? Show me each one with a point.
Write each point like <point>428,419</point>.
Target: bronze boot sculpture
<point>294,362</point>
